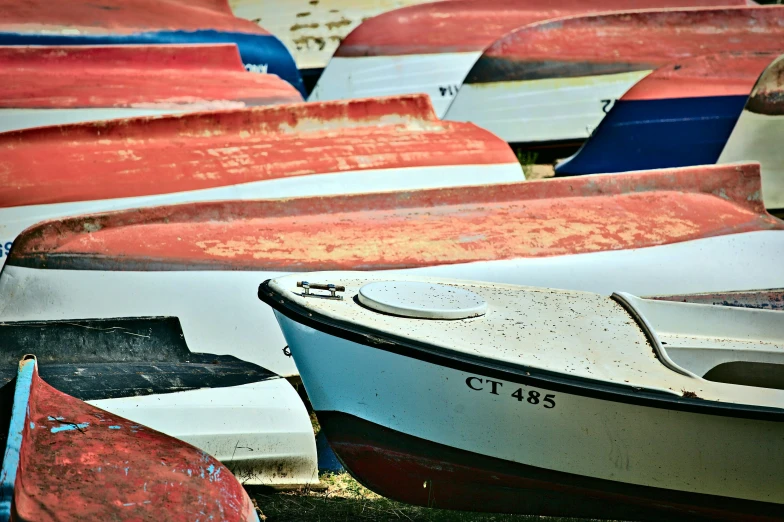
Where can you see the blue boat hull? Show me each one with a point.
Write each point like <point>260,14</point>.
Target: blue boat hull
<point>656,134</point>
<point>259,53</point>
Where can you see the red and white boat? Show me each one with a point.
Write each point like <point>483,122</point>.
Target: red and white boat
<point>48,85</point>
<point>65,460</point>
<point>308,149</point>
<point>516,399</point>
<point>145,22</point>
<point>551,82</point>
<point>431,47</point>
<point>700,229</point>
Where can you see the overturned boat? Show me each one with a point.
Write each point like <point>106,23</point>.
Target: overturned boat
<point>666,231</point>
<point>111,22</point>
<point>681,114</point>
<point>48,85</point>
<point>431,47</point>
<point>759,132</point>
<point>311,30</point>
<point>480,396</point>
<point>142,368</point>
<point>265,152</point>
<point>65,460</point>
<point>552,82</point>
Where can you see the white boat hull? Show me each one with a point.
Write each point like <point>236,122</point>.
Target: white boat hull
<point>556,109</point>
<point>437,75</point>
<point>260,431</point>
<point>605,443</point>
<point>219,313</point>
<point>17,119</point>
<point>758,137</point>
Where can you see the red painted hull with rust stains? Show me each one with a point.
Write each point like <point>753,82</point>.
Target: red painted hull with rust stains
<point>724,74</point>
<point>143,157</point>
<point>78,462</point>
<point>397,230</point>
<point>471,25</point>
<point>134,76</point>
<point>630,41</point>
<point>122,16</point>
<point>425,473</point>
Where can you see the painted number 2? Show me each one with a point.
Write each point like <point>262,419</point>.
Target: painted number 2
<point>607,105</point>
<point>494,387</point>
<point>448,90</point>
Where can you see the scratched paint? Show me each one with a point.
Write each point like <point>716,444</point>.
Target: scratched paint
<point>121,475</point>
<point>199,77</point>
<point>723,74</point>
<point>84,22</point>
<point>312,30</point>
<point>147,156</point>
<point>619,42</point>
<point>411,229</point>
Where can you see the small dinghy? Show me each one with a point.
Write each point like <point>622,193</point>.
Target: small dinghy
<point>65,461</point>
<point>110,22</point>
<point>658,232</point>
<point>552,82</point>
<point>142,368</point>
<point>431,47</point>
<point>311,30</point>
<point>759,133</point>
<point>48,85</point>
<point>266,152</point>
<point>679,115</point>
<point>480,396</point>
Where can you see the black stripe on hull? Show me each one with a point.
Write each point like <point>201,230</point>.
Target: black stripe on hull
<point>95,359</point>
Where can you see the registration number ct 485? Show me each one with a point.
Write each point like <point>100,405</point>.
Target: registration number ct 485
<point>530,396</point>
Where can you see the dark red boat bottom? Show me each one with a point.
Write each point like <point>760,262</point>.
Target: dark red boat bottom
<point>425,473</point>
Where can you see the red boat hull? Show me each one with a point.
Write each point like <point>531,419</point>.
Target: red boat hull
<point>425,473</point>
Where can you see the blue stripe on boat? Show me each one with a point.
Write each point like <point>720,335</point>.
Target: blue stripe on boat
<point>656,134</point>
<point>24,379</point>
<point>258,52</point>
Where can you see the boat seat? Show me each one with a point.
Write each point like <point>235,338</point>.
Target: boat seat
<point>716,343</point>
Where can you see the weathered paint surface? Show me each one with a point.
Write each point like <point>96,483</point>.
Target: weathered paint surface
<point>144,156</point>
<point>139,76</point>
<point>121,16</point>
<point>411,229</point>
<point>723,74</point>
<point>758,133</point>
<point>772,299</point>
<point>681,114</point>
<point>471,25</point>
<point>84,22</point>
<point>78,462</point>
<point>621,42</point>
<point>312,30</point>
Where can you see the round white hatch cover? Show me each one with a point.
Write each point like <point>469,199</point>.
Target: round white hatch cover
<point>421,300</point>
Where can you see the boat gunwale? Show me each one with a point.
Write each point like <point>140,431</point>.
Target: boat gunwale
<point>515,373</point>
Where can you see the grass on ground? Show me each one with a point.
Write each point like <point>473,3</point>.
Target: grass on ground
<point>344,499</point>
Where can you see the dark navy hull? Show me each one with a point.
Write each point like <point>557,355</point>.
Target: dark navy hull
<point>655,134</point>
<point>259,53</point>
